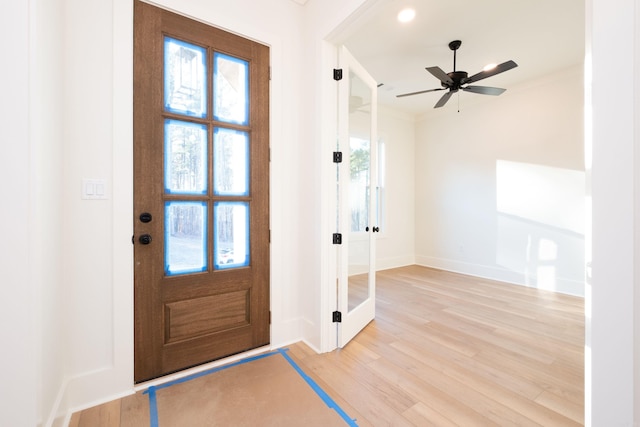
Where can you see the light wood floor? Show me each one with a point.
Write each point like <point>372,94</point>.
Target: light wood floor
<point>444,350</point>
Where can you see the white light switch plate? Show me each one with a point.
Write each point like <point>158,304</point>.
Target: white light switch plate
<point>94,189</point>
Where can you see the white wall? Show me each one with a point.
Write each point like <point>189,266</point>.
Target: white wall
<point>46,125</point>
<point>500,189</point>
<point>20,333</point>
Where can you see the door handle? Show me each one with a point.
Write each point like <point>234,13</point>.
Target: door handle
<point>145,239</point>
<point>145,217</point>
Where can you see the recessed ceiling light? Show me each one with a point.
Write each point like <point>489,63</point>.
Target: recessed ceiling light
<point>489,67</point>
<point>406,15</point>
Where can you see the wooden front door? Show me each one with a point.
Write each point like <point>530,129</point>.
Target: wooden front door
<point>201,193</point>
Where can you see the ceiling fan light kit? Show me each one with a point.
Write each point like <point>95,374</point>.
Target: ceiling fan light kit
<point>456,80</point>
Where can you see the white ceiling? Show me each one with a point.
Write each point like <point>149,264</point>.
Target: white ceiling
<point>541,36</point>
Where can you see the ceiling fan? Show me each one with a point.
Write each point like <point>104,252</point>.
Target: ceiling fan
<point>455,80</point>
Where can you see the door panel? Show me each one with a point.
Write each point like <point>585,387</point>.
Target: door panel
<point>201,195</point>
<point>356,176</point>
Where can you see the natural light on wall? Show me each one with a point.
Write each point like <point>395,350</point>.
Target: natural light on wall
<point>541,222</point>
<point>544,194</point>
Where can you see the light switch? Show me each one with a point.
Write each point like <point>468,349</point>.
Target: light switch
<point>94,189</point>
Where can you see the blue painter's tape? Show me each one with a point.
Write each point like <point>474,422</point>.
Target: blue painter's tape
<point>153,406</point>
<point>319,391</point>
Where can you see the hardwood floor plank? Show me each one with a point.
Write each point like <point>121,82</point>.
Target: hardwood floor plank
<point>378,402</point>
<point>571,410</point>
<point>539,374</point>
<point>454,406</point>
<point>486,397</point>
<point>422,415</point>
<point>134,411</point>
<point>106,415</point>
<point>75,419</point>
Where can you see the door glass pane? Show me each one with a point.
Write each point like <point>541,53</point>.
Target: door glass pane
<point>231,162</point>
<point>359,190</point>
<point>360,157</point>
<point>231,236</point>
<point>230,89</point>
<point>185,157</point>
<point>185,78</point>
<point>185,237</point>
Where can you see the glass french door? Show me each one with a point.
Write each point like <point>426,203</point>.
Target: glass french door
<point>356,214</point>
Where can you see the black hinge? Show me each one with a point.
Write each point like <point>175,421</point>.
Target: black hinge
<point>337,238</point>
<point>337,74</point>
<point>337,157</point>
<point>337,317</point>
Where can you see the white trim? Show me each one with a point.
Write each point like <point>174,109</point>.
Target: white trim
<point>636,168</point>
<point>563,285</point>
<point>201,368</point>
<point>395,262</point>
<point>328,261</point>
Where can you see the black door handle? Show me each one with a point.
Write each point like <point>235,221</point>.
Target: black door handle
<point>145,239</point>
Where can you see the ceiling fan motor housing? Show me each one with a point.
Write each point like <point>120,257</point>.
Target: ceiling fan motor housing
<point>458,78</point>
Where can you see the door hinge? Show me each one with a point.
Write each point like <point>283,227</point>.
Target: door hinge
<point>337,317</point>
<point>269,317</point>
<point>337,157</point>
<point>337,238</point>
<point>337,74</point>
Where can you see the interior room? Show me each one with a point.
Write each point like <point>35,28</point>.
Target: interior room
<point>68,259</point>
<point>468,217</point>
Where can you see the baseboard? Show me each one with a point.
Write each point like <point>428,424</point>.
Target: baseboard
<point>395,262</point>
<point>55,418</point>
<point>287,331</point>
<point>561,285</point>
<point>87,390</point>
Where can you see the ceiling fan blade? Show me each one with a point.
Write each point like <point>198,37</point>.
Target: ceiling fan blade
<point>505,66</point>
<point>419,92</point>
<point>444,98</point>
<point>484,90</point>
<point>440,75</point>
